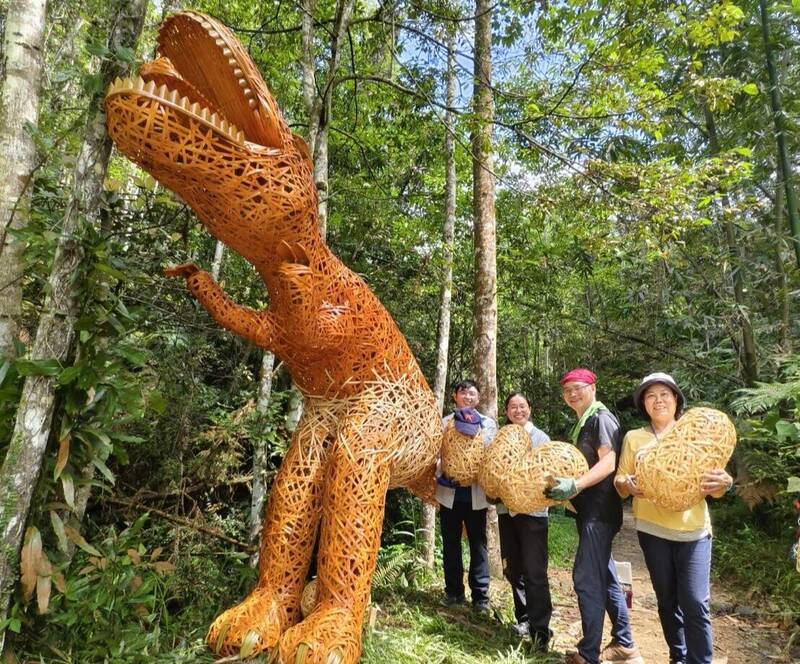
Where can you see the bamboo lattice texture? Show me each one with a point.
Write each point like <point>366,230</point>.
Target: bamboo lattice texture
<point>202,121</point>
<point>462,456</point>
<point>516,473</point>
<point>669,472</point>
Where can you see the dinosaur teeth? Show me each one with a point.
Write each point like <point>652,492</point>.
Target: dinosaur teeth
<point>150,87</point>
<point>238,73</point>
<point>214,119</point>
<point>184,103</point>
<point>163,91</point>
<point>219,42</point>
<point>252,103</point>
<point>173,97</point>
<point>227,52</point>
<point>242,83</point>
<point>205,114</point>
<point>248,93</point>
<point>194,109</point>
<point>232,62</point>
<point>138,83</point>
<point>213,33</point>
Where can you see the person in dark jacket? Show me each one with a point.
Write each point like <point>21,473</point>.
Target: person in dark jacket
<point>465,507</point>
<point>598,513</point>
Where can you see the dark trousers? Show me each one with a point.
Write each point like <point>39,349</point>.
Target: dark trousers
<point>598,589</point>
<point>475,523</point>
<point>680,575</point>
<point>523,545</point>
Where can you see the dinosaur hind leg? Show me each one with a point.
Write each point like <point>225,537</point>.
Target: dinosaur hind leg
<point>355,495</point>
<point>287,539</point>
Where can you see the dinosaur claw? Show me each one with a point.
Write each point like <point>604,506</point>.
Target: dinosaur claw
<point>249,643</point>
<point>334,656</point>
<point>223,632</point>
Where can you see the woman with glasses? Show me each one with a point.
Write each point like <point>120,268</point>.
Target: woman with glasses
<point>676,545</point>
<point>523,546</point>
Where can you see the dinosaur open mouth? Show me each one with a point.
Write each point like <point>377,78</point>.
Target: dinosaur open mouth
<point>206,75</point>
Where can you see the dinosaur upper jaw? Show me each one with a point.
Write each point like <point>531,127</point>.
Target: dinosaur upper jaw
<point>206,79</point>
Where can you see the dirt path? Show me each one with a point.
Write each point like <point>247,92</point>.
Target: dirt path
<point>737,640</point>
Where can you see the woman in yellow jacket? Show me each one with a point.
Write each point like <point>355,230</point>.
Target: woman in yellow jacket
<point>676,545</point>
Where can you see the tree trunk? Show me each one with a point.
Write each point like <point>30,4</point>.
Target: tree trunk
<point>747,354</point>
<point>319,114</point>
<point>219,256</point>
<point>19,105</point>
<point>55,331</point>
<point>309,69</point>
<point>780,270</point>
<point>428,525</point>
<point>484,350</point>
<point>780,133</point>
<point>260,456</point>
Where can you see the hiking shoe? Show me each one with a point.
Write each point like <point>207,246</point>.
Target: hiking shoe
<point>616,653</point>
<point>574,658</point>
<point>521,629</point>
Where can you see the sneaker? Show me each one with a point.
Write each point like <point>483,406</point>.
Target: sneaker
<point>616,653</point>
<point>482,608</point>
<point>450,601</point>
<point>521,629</point>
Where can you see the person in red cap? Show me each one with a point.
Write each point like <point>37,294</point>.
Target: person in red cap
<point>598,510</point>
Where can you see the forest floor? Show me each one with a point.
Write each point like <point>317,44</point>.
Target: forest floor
<point>413,627</point>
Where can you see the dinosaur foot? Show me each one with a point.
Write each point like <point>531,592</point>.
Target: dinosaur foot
<point>330,635</point>
<point>249,628</point>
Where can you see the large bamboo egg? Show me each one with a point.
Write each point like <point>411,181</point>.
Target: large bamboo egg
<point>669,472</point>
<point>505,452</point>
<point>461,455</point>
<point>517,473</point>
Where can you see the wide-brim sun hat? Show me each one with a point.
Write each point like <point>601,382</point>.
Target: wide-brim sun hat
<point>652,379</point>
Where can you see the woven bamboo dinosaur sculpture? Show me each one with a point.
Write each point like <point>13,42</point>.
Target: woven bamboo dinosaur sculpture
<point>201,120</point>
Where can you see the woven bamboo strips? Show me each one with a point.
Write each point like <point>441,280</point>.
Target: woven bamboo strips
<point>669,473</point>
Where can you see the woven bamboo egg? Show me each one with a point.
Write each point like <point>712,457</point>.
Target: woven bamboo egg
<point>505,452</point>
<point>669,473</point>
<point>516,473</point>
<point>308,600</point>
<point>461,455</point>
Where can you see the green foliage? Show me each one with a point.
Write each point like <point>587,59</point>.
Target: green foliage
<point>413,628</point>
<point>111,606</point>
<point>758,564</point>
<point>630,137</point>
<point>769,441</point>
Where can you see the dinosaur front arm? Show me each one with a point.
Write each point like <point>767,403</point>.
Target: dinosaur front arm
<point>257,326</point>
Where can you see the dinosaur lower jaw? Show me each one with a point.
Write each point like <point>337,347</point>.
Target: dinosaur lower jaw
<point>138,90</point>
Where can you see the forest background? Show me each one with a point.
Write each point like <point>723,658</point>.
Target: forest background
<point>642,155</point>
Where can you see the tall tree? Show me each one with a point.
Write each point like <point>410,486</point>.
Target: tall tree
<point>784,162</point>
<point>319,111</point>
<point>747,343</point>
<point>428,526</point>
<point>19,109</point>
<point>484,350</point>
<point>54,334</point>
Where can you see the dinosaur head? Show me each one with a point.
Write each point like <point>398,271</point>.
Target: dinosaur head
<point>201,121</point>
